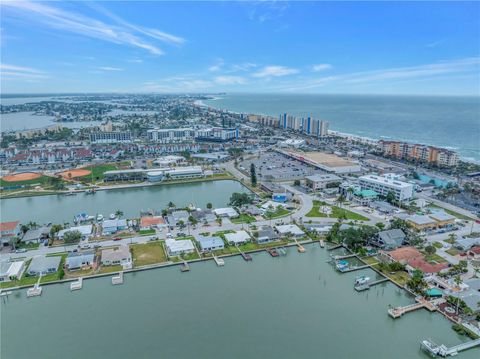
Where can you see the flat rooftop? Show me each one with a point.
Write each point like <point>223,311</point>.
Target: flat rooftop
<point>321,158</point>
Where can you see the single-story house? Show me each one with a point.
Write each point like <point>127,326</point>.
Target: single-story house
<point>79,260</point>
<point>390,239</point>
<point>270,205</point>
<point>321,181</point>
<point>175,248</point>
<point>426,267</point>
<point>36,235</point>
<point>85,230</point>
<point>289,229</point>
<point>11,270</point>
<point>237,238</point>
<point>206,215</point>
<point>267,234</point>
<point>208,243</point>
<point>413,259</point>
<point>177,216</point>
<point>466,243</point>
<point>42,265</point>
<point>117,256</point>
<point>9,230</point>
<point>111,226</point>
<point>252,210</point>
<point>470,295</point>
<point>152,222</point>
<point>226,212</point>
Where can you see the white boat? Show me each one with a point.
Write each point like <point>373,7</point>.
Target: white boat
<point>112,216</point>
<point>322,243</point>
<point>362,280</point>
<point>99,217</point>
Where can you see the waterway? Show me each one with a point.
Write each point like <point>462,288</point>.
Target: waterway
<point>61,208</point>
<point>290,307</point>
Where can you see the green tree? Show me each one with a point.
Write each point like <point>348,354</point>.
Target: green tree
<point>296,182</point>
<point>209,205</point>
<point>118,213</point>
<point>390,198</point>
<point>171,204</point>
<point>430,250</point>
<point>54,229</point>
<point>72,236</point>
<point>238,199</point>
<point>253,175</point>
<point>417,284</point>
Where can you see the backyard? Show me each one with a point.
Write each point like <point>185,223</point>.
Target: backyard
<point>148,253</point>
<point>336,212</point>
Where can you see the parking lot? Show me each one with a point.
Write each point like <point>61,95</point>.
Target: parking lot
<point>272,166</point>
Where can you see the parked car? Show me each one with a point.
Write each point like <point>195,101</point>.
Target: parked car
<point>21,250</point>
<point>117,239</point>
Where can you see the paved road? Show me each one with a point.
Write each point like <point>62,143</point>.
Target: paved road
<point>449,206</point>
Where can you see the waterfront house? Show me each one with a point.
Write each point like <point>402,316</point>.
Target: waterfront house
<point>79,260</point>
<point>252,210</point>
<point>289,229</point>
<point>267,234</point>
<point>152,222</point>
<point>43,265</point>
<point>226,212</point>
<point>412,258</point>
<point>390,239</point>
<point>237,238</point>
<point>36,235</point>
<point>470,294</point>
<point>85,231</point>
<point>9,230</point>
<point>111,226</point>
<point>208,243</point>
<point>117,256</point>
<point>206,215</point>
<point>176,248</point>
<point>11,270</point>
<point>176,216</point>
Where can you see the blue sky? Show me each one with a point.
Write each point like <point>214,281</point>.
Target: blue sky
<point>302,47</point>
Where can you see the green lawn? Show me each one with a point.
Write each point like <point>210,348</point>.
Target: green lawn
<point>43,180</point>
<point>279,212</point>
<point>452,251</point>
<point>148,253</point>
<point>110,269</point>
<point>337,212</point>
<point>146,232</point>
<point>243,218</point>
<point>437,245</point>
<point>434,258</point>
<point>97,172</point>
<point>453,213</point>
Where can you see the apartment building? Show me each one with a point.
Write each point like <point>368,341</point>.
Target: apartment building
<point>383,186</point>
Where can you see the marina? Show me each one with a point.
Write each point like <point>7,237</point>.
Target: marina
<point>145,301</point>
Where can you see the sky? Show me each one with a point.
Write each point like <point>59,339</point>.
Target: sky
<point>408,48</point>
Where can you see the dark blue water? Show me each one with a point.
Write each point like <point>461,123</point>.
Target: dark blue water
<point>452,122</point>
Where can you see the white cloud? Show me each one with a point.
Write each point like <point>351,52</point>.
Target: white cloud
<point>217,66</point>
<point>109,68</point>
<point>321,67</point>
<point>275,71</point>
<point>122,33</point>
<point>135,61</point>
<point>246,66</point>
<point>230,80</point>
<point>21,72</point>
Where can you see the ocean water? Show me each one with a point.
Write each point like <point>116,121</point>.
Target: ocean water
<point>451,122</point>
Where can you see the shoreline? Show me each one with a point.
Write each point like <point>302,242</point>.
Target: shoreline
<point>341,133</point>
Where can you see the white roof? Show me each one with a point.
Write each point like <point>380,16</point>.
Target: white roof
<point>225,211</point>
<point>385,181</point>
<point>237,237</point>
<point>289,228</point>
<point>275,205</point>
<point>179,246</point>
<point>323,178</point>
<point>85,230</point>
<point>114,223</point>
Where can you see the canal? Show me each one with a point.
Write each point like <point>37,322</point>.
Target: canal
<point>289,307</point>
<point>61,208</point>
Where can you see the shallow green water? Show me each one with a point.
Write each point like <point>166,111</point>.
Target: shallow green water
<point>290,307</point>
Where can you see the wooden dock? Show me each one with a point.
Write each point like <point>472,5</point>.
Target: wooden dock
<point>185,267</point>
<point>366,286</point>
<point>420,303</point>
<point>219,261</point>
<point>353,269</point>
<point>245,256</point>
<point>77,285</point>
<point>344,257</point>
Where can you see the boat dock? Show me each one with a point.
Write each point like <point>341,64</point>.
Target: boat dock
<point>245,256</point>
<point>443,351</point>
<point>36,290</point>
<point>77,285</point>
<point>421,303</point>
<point>345,256</point>
<point>272,251</point>
<point>219,261</point>
<point>334,247</point>
<point>118,279</point>
<point>353,269</point>
<point>300,248</point>
<point>366,286</point>
<point>184,267</point>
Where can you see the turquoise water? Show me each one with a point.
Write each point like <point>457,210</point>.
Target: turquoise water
<point>296,306</point>
<point>452,122</point>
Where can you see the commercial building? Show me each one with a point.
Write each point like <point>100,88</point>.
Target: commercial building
<point>125,175</point>
<point>111,137</point>
<point>171,135</point>
<point>383,186</point>
<point>327,162</point>
<point>217,134</point>
<point>42,265</point>
<point>417,152</point>
<point>169,161</point>
<point>317,182</point>
<point>421,222</point>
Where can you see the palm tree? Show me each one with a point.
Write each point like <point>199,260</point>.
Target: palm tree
<point>32,225</point>
<point>118,213</point>
<point>457,281</point>
<point>171,204</point>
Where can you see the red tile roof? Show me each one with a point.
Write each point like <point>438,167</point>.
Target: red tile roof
<point>475,249</point>
<point>425,267</point>
<point>151,221</point>
<point>8,226</point>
